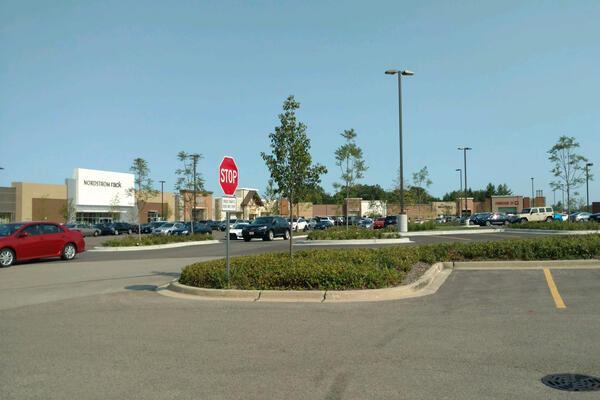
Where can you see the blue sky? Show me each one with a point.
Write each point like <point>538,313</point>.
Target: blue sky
<point>96,84</point>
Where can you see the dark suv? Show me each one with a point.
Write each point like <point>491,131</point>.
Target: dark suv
<point>121,227</point>
<point>391,220</point>
<point>267,228</point>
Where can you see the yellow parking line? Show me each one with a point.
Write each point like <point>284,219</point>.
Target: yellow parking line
<point>553,290</point>
<point>499,234</point>
<point>449,237</point>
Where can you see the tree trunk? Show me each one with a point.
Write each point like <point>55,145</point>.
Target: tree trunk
<point>347,194</point>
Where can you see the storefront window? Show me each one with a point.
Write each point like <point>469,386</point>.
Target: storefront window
<point>95,218</point>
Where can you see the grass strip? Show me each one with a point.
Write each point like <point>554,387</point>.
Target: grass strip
<point>343,269</point>
<point>558,226</point>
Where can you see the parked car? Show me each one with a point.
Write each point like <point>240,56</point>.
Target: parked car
<point>379,223</point>
<point>329,219</point>
<point>223,224</point>
<point>235,231</point>
<point>312,222</point>
<point>168,227</point>
<point>31,240</point>
<point>267,228</point>
<point>391,220</point>
<point>86,230</point>
<point>299,224</point>
<point>579,216</point>
<point>366,223</point>
<point>214,225</point>
<point>148,228</point>
<point>595,217</point>
<point>105,229</point>
<point>121,227</point>
<point>186,229</point>
<point>324,224</point>
<point>488,219</point>
<point>535,214</point>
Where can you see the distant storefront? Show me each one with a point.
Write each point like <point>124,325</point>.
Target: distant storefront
<point>507,204</point>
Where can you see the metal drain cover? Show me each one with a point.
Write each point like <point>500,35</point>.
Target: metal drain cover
<point>572,382</point>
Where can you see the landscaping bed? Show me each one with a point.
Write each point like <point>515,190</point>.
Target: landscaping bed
<point>343,269</point>
<point>356,232</point>
<point>155,239</point>
<point>558,226</point>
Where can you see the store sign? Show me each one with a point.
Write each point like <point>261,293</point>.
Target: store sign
<point>507,203</point>
<point>103,188</point>
<point>229,204</point>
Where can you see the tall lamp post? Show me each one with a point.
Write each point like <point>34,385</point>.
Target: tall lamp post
<point>587,185</point>
<point>532,195</point>
<point>459,199</point>
<point>403,220</point>
<point>464,149</point>
<point>162,206</point>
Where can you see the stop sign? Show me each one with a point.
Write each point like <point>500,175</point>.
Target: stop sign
<point>228,175</point>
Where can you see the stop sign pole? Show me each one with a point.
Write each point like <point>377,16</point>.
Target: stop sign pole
<point>228,179</point>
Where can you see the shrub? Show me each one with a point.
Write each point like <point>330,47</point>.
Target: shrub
<point>558,225</point>
<point>374,268</point>
<point>155,239</point>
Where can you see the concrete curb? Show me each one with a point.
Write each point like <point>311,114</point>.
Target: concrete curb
<point>427,284</point>
<point>155,246</point>
<point>513,265</point>
<point>352,242</point>
<point>545,232</point>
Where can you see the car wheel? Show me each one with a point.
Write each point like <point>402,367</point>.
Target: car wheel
<point>488,223</point>
<point>96,233</point>
<point>129,231</point>
<point>523,220</point>
<point>7,257</point>
<point>270,235</point>
<point>116,232</point>
<point>69,251</point>
<point>549,219</point>
<point>286,235</point>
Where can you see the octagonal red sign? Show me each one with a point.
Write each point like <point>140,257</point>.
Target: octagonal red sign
<point>228,175</point>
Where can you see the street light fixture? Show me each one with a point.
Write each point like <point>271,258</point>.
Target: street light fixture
<point>403,220</point>
<point>464,149</point>
<point>587,185</point>
<point>459,199</point>
<point>162,206</point>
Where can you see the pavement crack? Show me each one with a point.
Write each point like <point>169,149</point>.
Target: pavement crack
<point>324,296</point>
<point>259,294</point>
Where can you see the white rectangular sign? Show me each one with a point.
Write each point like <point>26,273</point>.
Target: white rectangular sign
<point>229,204</point>
<point>103,188</point>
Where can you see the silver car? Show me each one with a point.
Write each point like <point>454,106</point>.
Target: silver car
<point>168,228</point>
<point>85,230</point>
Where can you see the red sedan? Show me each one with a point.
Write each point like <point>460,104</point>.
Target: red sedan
<point>22,241</point>
<point>379,223</point>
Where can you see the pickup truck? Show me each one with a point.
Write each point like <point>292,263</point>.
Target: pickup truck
<point>535,214</point>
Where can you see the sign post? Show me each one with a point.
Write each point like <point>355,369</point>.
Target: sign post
<point>228,179</point>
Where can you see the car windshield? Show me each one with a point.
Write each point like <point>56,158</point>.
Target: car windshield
<point>167,225</point>
<point>240,225</point>
<point>9,229</point>
<point>263,220</point>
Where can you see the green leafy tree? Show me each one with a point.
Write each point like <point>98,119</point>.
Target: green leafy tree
<point>68,211</point>
<point>189,180</point>
<point>349,157</point>
<point>114,208</point>
<point>421,181</point>
<point>143,187</point>
<point>569,167</point>
<point>290,163</point>
<point>271,198</point>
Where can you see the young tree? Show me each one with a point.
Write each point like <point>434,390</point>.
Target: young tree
<point>143,187</point>
<point>349,158</point>
<point>114,208</point>
<point>68,211</point>
<point>290,163</point>
<point>421,181</point>
<point>569,167</point>
<point>271,198</point>
<point>189,180</point>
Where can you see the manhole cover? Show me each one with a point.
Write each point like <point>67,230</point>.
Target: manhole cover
<point>572,382</point>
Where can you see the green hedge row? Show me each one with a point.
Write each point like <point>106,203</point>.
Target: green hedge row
<point>374,268</point>
<point>558,226</point>
<point>134,240</point>
<point>356,232</point>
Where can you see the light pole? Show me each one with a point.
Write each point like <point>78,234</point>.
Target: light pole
<point>459,199</point>
<point>587,185</point>
<point>464,149</point>
<point>532,198</point>
<point>402,222</point>
<point>162,207</point>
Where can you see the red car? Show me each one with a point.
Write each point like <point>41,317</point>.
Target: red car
<point>22,241</point>
<point>379,223</point>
